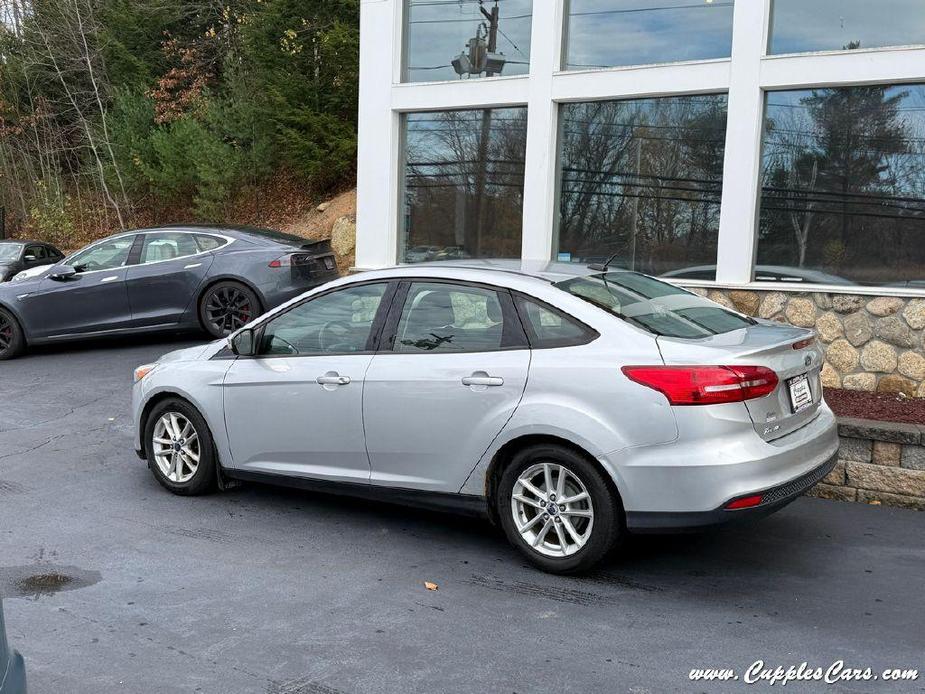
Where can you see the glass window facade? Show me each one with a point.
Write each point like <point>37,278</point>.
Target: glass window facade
<point>466,39</point>
<point>610,33</point>
<point>641,180</point>
<point>463,184</point>
<point>843,194</point>
<point>831,25</point>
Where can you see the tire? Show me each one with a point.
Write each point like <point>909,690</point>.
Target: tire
<point>533,530</point>
<point>227,306</point>
<point>12,340</point>
<point>180,473</point>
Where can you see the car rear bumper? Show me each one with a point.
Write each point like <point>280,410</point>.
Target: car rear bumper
<point>773,499</point>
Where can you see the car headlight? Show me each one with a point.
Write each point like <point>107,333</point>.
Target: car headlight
<point>143,371</point>
<point>19,277</point>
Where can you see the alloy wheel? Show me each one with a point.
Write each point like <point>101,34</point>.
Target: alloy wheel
<point>176,447</point>
<point>228,309</point>
<point>6,333</point>
<point>552,509</point>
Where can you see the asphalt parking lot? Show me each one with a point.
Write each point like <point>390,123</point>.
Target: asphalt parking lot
<point>114,585</point>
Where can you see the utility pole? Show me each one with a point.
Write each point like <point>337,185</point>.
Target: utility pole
<point>480,206</point>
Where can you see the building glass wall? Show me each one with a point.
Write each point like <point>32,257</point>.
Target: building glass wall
<point>799,26</point>
<point>465,39</point>
<point>641,180</point>
<point>463,184</point>
<point>843,193</point>
<point>610,33</point>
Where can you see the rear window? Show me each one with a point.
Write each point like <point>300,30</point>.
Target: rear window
<point>657,307</point>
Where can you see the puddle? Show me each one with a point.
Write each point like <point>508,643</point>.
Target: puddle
<point>41,580</point>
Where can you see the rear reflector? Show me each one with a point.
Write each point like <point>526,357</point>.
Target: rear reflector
<point>705,385</point>
<point>744,502</point>
<point>803,344</point>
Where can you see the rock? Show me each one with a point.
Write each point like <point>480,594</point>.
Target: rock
<point>913,457</point>
<point>897,432</point>
<point>837,476</point>
<point>894,383</point>
<point>886,453</point>
<point>894,331</point>
<point>866,382</point>
<point>822,300</point>
<point>920,393</point>
<point>721,299</point>
<point>912,364</point>
<point>847,303</point>
<point>831,491</point>
<point>344,236</point>
<point>801,312</point>
<point>842,356</point>
<point>857,450</point>
<point>829,376</point>
<point>771,304</point>
<point>895,480</point>
<point>878,356</point>
<point>829,327</point>
<point>914,313</point>
<point>884,306</point>
<point>857,328</point>
<point>323,206</point>
<point>887,499</point>
<point>745,302</point>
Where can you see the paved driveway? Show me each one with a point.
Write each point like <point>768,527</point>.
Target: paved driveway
<point>113,585</point>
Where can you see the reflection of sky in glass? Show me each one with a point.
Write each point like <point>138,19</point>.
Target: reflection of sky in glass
<point>607,33</point>
<point>436,31</point>
<point>822,25</point>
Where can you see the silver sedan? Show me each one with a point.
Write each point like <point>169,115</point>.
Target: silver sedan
<point>569,405</point>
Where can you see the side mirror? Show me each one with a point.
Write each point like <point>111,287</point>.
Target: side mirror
<point>243,343</point>
<point>29,258</point>
<point>62,273</point>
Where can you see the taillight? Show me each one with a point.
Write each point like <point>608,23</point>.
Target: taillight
<point>290,260</point>
<point>803,344</point>
<point>285,261</point>
<point>705,385</point>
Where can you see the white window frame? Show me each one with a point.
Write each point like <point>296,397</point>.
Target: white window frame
<point>746,77</point>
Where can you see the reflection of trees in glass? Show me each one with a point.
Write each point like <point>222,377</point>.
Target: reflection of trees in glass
<point>843,182</point>
<point>642,179</point>
<point>464,184</point>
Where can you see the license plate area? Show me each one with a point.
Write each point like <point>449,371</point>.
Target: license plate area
<point>801,395</point>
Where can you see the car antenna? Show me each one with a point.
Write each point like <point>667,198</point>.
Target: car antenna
<point>603,268</point>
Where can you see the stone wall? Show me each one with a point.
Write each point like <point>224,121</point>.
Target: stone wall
<point>878,462</point>
<point>871,343</point>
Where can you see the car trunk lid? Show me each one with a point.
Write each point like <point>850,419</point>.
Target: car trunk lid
<point>770,345</point>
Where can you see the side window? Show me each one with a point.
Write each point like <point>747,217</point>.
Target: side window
<point>339,322</point>
<point>167,246</point>
<point>549,328</point>
<point>440,317</point>
<point>34,253</point>
<point>209,243</point>
<point>104,256</point>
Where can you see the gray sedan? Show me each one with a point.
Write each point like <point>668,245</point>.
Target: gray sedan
<point>570,405</point>
<point>212,278</point>
<point>16,256</point>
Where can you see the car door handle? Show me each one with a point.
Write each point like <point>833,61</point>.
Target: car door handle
<point>109,279</point>
<point>480,378</point>
<point>332,379</point>
<point>191,266</point>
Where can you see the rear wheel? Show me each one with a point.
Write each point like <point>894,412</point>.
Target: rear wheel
<point>556,508</point>
<point>227,306</point>
<point>180,450</point>
<point>12,340</point>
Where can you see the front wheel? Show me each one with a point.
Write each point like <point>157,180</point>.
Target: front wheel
<point>181,453</point>
<point>12,340</point>
<point>557,509</point>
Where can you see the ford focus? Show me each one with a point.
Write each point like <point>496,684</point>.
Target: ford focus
<point>570,405</point>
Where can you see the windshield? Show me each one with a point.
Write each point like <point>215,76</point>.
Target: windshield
<point>657,307</point>
<point>9,252</point>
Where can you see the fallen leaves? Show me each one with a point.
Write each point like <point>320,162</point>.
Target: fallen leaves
<point>431,586</point>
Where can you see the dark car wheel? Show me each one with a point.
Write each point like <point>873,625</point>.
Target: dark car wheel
<point>227,306</point>
<point>556,508</point>
<point>181,453</point>
<point>12,340</point>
